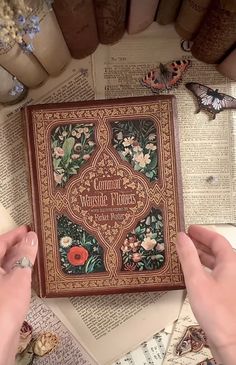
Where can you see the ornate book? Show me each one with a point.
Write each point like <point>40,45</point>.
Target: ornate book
<point>106,195</point>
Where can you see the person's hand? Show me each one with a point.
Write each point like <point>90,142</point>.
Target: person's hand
<point>212,293</point>
<point>15,288</point>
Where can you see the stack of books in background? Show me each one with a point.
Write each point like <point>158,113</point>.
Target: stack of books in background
<point>74,28</point>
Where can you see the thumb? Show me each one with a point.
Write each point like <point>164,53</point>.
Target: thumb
<point>26,248</point>
<point>188,255</point>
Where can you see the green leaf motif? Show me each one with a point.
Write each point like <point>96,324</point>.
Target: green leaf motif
<point>67,147</point>
<point>153,163</point>
<point>56,162</point>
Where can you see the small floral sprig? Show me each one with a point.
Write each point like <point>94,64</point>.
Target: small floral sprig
<point>136,143</point>
<point>17,21</point>
<point>144,248</point>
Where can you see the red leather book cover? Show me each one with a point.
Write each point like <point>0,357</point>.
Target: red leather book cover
<point>106,195</point>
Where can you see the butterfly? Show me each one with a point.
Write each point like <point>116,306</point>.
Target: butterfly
<point>165,76</point>
<point>211,100</point>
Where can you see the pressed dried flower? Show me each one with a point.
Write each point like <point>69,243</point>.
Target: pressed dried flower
<point>25,337</point>
<point>45,343</point>
<point>17,20</point>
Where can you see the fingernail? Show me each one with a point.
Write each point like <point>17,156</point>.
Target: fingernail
<point>31,239</point>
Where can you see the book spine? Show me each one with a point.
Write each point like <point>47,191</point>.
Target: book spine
<point>49,45</point>
<point>78,24</point>
<point>111,18</point>
<point>227,67</point>
<point>141,14</point>
<point>190,16</point>
<point>23,65</point>
<point>11,91</point>
<point>168,11</point>
<point>37,283</point>
<point>216,35</point>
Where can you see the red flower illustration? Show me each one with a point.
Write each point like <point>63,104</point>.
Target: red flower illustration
<point>77,255</point>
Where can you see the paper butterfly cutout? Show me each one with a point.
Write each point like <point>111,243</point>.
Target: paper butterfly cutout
<point>193,340</point>
<point>208,362</point>
<point>211,100</point>
<point>165,76</point>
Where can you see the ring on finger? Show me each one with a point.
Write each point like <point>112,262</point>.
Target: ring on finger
<point>24,262</point>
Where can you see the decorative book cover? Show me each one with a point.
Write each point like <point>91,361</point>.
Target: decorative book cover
<point>106,195</point>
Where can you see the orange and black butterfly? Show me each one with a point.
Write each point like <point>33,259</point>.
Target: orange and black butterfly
<point>211,100</point>
<point>165,77</point>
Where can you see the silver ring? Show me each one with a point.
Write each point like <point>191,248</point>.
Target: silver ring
<point>23,263</point>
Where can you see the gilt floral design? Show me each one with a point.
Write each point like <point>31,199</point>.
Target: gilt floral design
<point>79,252</point>
<point>136,143</point>
<point>143,248</point>
<point>71,146</point>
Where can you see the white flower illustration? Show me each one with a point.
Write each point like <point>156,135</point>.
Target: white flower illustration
<point>128,141</point>
<point>142,159</point>
<point>126,152</point>
<point>119,136</point>
<point>65,241</point>
<point>151,146</point>
<point>137,148</point>
<point>148,243</point>
<point>151,137</point>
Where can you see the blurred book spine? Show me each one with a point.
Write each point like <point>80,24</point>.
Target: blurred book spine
<point>11,90</point>
<point>78,24</point>
<point>217,33</point>
<point>23,65</point>
<point>228,66</point>
<point>48,44</point>
<point>111,19</point>
<point>168,11</point>
<point>190,17</point>
<point>141,14</point>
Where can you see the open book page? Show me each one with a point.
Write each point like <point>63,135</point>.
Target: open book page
<point>68,351</point>
<point>75,83</point>
<point>6,221</point>
<point>206,146</point>
<point>186,318</point>
<point>109,326</point>
<point>150,352</point>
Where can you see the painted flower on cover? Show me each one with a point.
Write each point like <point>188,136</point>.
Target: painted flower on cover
<point>126,152</point>
<point>58,152</point>
<point>152,137</point>
<point>77,255</point>
<point>136,257</point>
<point>148,243</point>
<point>58,178</point>
<point>151,146</point>
<point>66,241</point>
<point>128,141</point>
<point>142,159</point>
<point>137,148</point>
<point>160,247</point>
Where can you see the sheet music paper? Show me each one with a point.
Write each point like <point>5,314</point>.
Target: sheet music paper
<point>186,319</point>
<point>149,352</point>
